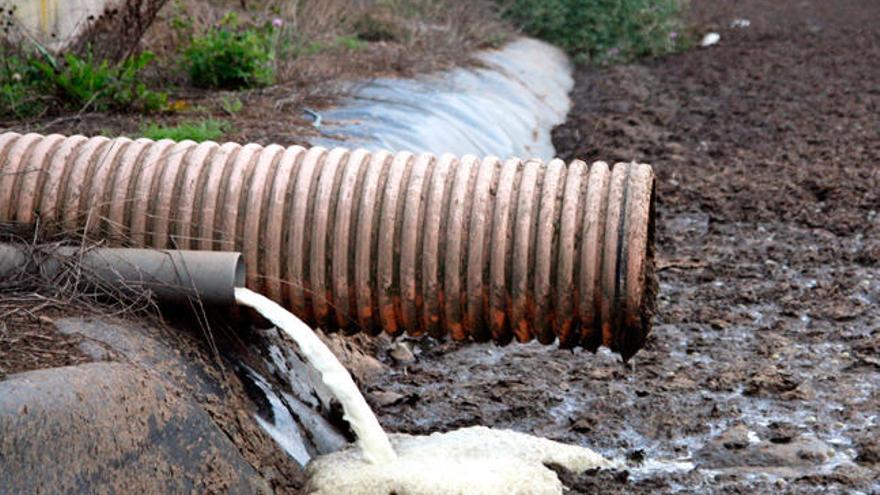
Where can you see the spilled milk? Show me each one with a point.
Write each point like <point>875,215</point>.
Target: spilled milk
<point>474,460</point>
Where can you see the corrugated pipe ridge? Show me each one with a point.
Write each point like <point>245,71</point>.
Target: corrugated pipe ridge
<point>474,248</point>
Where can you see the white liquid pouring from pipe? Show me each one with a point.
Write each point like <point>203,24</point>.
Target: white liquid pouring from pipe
<point>371,438</point>
<point>474,460</point>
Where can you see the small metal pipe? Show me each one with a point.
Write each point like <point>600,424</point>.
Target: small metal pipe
<point>171,275</point>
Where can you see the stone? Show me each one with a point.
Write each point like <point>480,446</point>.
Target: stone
<point>401,353</point>
<point>728,451</point>
<point>734,438</point>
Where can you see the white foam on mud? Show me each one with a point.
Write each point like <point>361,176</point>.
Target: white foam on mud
<point>371,437</point>
<point>475,460</point>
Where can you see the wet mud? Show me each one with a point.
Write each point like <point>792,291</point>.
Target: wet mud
<point>761,374</point>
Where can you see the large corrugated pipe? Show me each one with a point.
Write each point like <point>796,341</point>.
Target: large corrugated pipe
<point>479,248</point>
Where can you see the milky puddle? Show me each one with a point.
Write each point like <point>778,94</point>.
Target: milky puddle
<point>475,460</point>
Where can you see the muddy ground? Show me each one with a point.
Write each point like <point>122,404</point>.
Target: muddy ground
<point>762,374</point>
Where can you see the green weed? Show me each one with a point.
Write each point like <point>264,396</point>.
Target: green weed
<point>32,83</point>
<point>231,105</point>
<point>602,30</point>
<point>21,90</point>
<point>350,43</point>
<point>231,57</point>
<point>198,131</point>
<point>84,83</point>
<point>339,43</point>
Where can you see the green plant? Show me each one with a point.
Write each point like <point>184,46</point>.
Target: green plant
<point>21,92</point>
<point>231,105</point>
<point>200,130</point>
<point>231,57</point>
<point>602,30</point>
<point>31,83</point>
<point>349,43</point>
<point>81,83</point>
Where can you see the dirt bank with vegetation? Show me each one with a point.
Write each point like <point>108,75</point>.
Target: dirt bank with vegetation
<point>242,71</point>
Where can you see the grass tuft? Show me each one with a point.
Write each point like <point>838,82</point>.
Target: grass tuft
<point>198,131</point>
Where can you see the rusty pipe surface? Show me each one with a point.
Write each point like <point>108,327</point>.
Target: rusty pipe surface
<point>473,248</point>
<point>172,276</point>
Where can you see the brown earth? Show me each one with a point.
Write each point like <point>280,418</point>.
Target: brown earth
<point>28,338</point>
<point>762,374</point>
